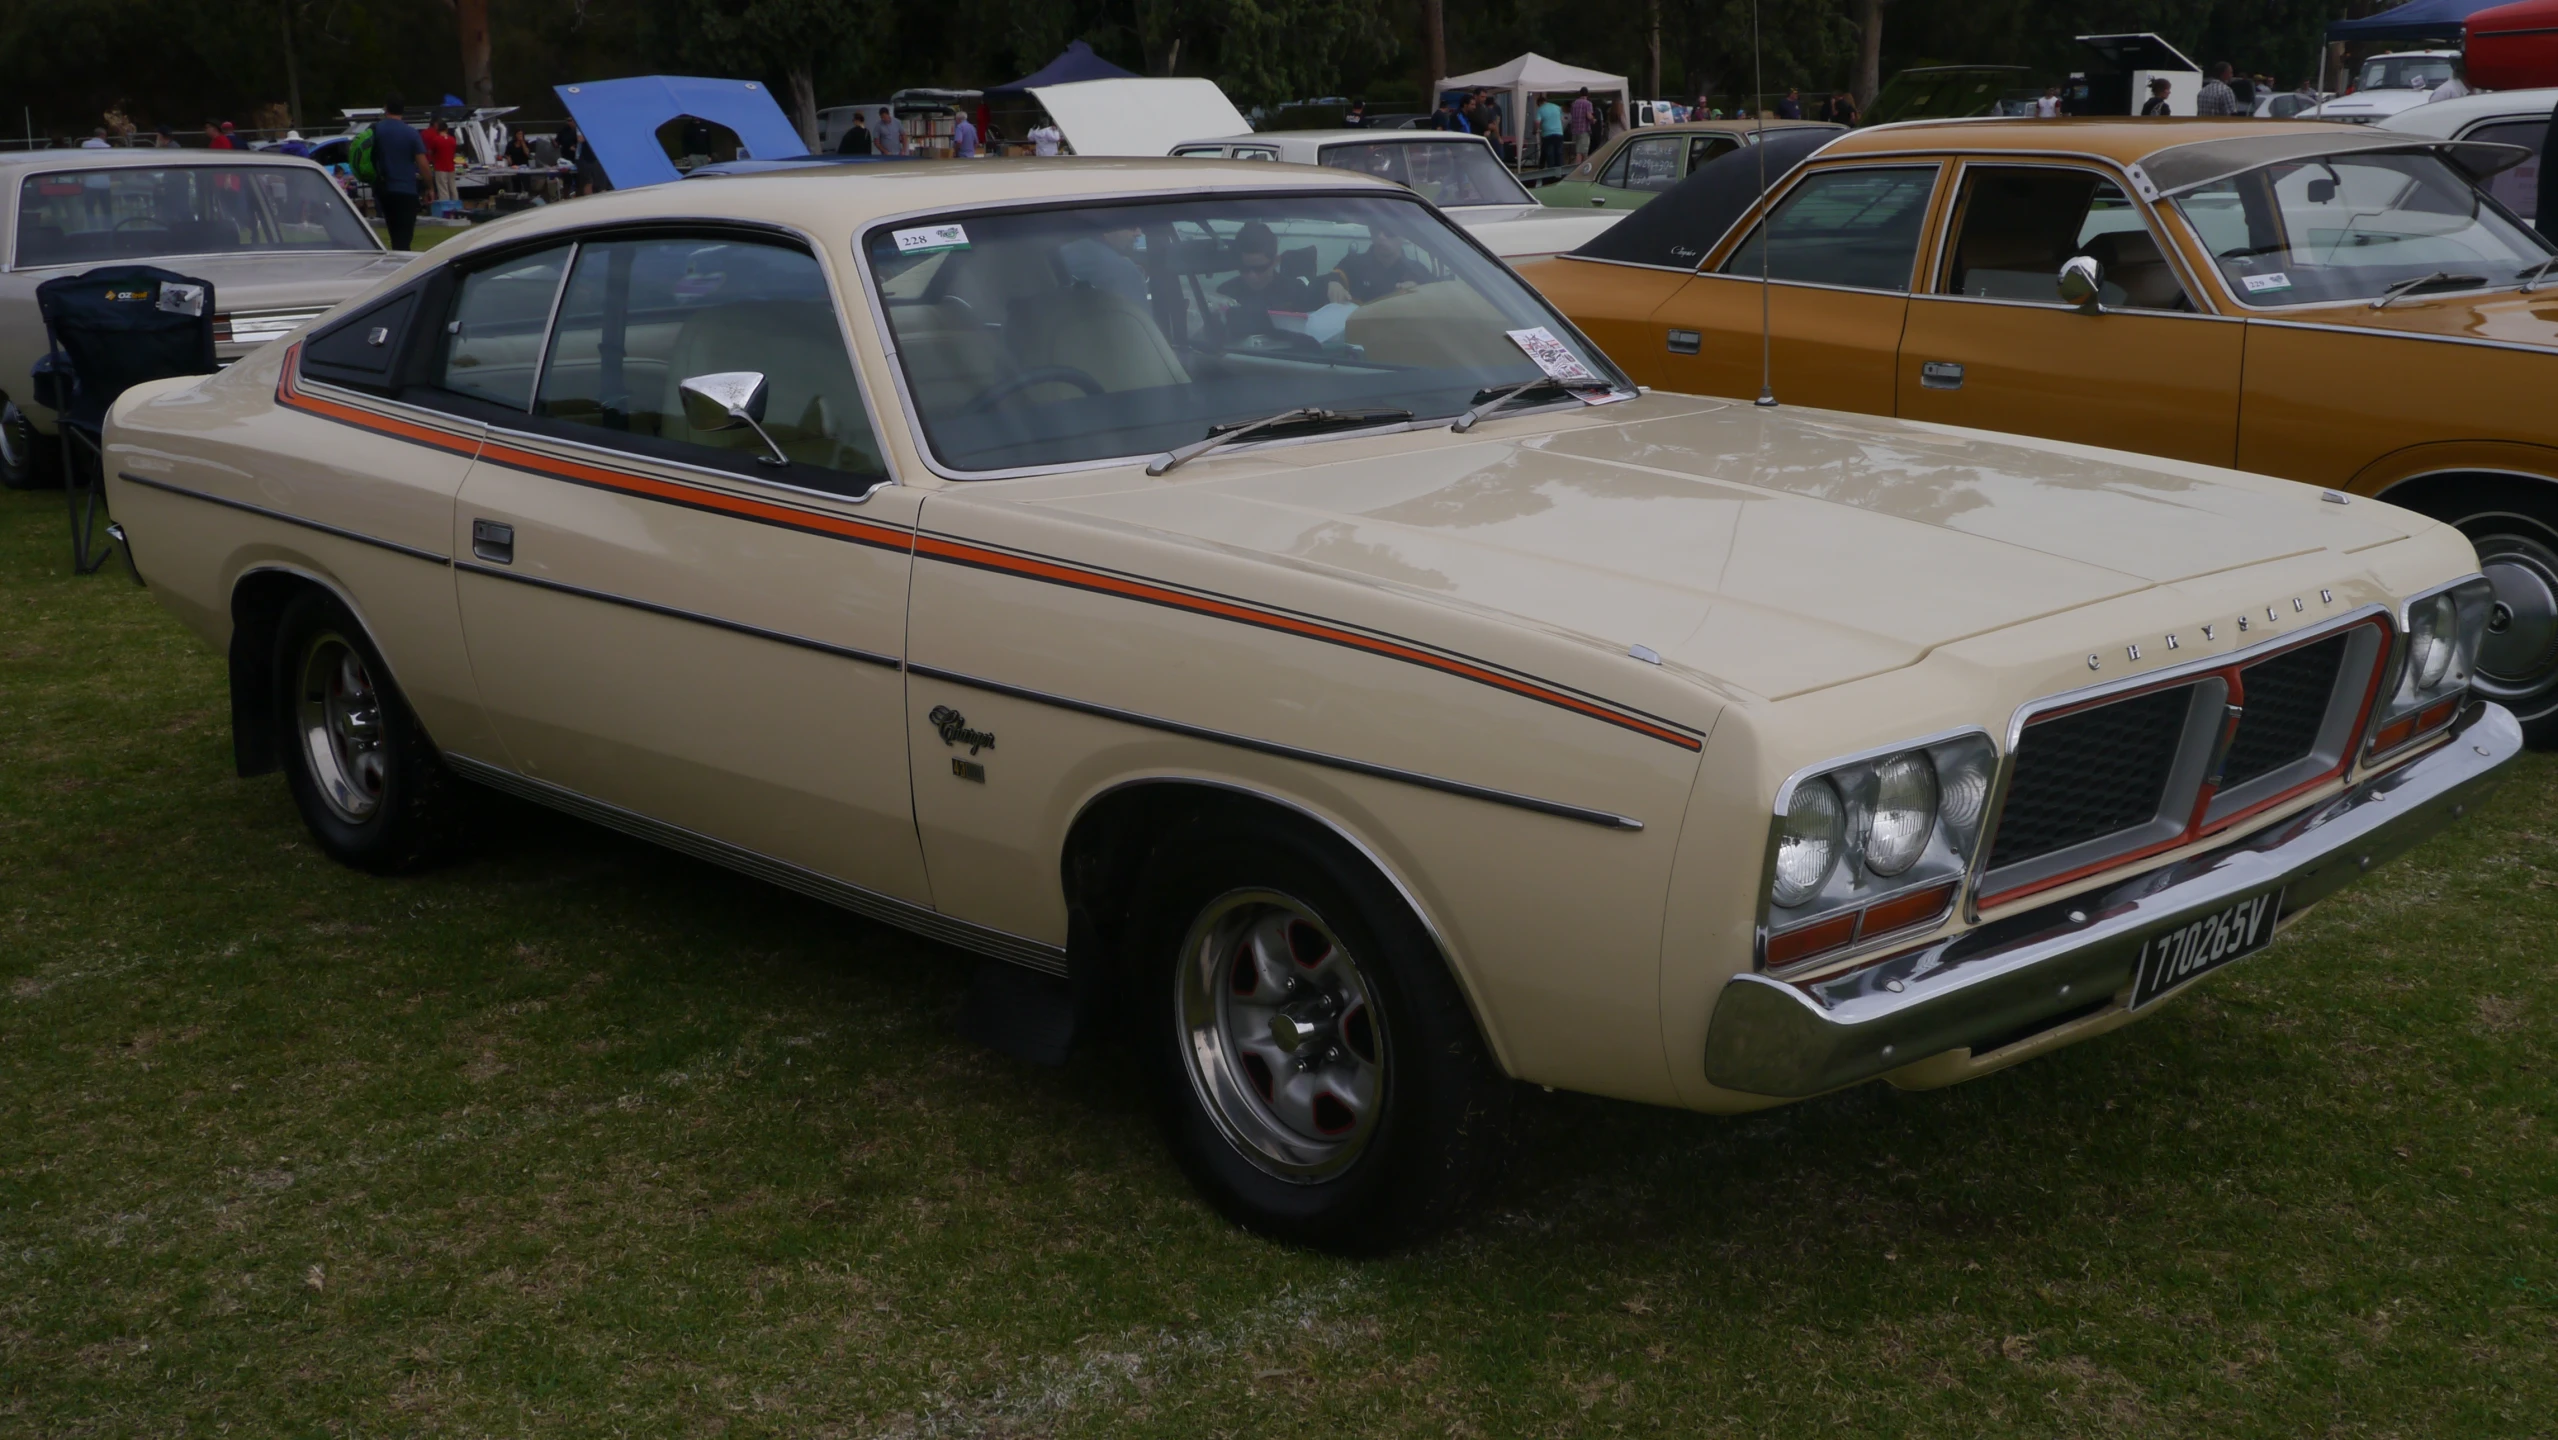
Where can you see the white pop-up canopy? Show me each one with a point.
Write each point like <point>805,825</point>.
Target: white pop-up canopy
<point>1138,116</point>
<point>1533,74</point>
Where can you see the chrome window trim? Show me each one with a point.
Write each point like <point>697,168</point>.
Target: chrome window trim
<point>2112,172</point>
<point>551,324</point>
<point>1817,164</point>
<point>1994,807</point>
<point>627,459</point>
<point>1352,183</point>
<point>2383,332</point>
<point>1628,264</point>
<point>2203,315</point>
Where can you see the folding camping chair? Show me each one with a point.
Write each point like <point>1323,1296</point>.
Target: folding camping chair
<point>107,331</point>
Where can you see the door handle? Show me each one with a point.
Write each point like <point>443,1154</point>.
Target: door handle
<point>1940,375</point>
<point>492,541</point>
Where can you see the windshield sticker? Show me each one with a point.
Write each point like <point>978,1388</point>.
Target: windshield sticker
<point>1551,355</point>
<point>929,239</point>
<point>2259,284</point>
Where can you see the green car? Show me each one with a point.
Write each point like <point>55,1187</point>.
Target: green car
<point>1639,164</point>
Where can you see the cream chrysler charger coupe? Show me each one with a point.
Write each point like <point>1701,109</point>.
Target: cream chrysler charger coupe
<point>1351,706</point>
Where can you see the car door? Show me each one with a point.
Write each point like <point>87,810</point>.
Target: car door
<point>689,618</point>
<point>1846,245</point>
<point>1990,344</point>
<point>1644,167</point>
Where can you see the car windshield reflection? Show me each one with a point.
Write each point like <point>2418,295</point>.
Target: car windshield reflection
<point>2350,227</point>
<point>1059,336</point>
<point>80,217</point>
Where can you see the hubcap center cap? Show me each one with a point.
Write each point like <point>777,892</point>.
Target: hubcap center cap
<point>2522,649</point>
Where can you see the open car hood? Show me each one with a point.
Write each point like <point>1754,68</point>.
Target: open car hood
<point>1777,550</point>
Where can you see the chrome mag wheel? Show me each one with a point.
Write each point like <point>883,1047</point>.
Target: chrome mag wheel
<point>338,711</point>
<point>1282,1035</point>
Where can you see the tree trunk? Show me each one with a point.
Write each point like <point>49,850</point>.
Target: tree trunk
<point>1869,51</point>
<point>1652,15</point>
<point>1434,52</point>
<point>803,102</point>
<point>292,69</point>
<point>478,86</point>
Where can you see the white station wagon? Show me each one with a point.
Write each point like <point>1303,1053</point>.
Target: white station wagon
<point>1350,726</point>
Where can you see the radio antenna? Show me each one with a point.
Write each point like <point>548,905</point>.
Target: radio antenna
<point>1767,217</point>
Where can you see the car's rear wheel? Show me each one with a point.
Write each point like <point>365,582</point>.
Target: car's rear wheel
<point>366,779</point>
<point>2514,525</point>
<point>1320,1076</point>
<point>27,460</point>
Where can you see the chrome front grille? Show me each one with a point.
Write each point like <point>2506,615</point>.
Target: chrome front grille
<point>2099,782</point>
<point>2090,773</point>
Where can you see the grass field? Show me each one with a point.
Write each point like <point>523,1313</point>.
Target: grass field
<point>581,1138</point>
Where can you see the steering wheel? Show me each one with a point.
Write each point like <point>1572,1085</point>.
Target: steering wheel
<point>1003,390</point>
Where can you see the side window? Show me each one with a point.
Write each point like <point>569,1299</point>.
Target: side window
<point>1702,148</point>
<point>1652,164</point>
<point>2016,225</point>
<point>1855,228</point>
<point>640,316</point>
<point>493,336</point>
<point>2517,189</point>
<point>1614,175</point>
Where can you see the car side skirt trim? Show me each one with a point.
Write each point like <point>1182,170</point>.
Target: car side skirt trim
<point>869,904</point>
<point>360,538</point>
<point>1602,818</point>
<point>606,597</point>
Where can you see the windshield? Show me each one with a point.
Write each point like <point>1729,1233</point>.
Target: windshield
<point>1053,336</point>
<point>2313,232</point>
<point>131,212</point>
<point>2403,72</point>
<point>1447,173</point>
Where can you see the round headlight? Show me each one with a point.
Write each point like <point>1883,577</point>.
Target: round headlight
<point>2434,626</point>
<point>1964,790</point>
<point>1809,845</point>
<point>1904,813</point>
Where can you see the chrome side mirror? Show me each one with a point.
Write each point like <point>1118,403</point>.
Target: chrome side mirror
<point>2082,280</point>
<point>726,400</point>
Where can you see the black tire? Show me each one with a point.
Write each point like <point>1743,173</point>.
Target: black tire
<point>28,461</point>
<point>2513,522</point>
<point>363,773</point>
<point>1434,1131</point>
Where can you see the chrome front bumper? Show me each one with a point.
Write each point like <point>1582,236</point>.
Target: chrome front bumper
<point>1999,982</point>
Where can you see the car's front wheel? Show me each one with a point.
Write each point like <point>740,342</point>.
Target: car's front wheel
<point>2514,525</point>
<point>1320,1076</point>
<point>363,774</point>
<point>27,459</point>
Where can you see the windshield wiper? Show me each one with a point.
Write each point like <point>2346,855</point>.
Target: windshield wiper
<point>1309,416</point>
<point>2439,280</point>
<point>2531,275</point>
<point>1487,401</point>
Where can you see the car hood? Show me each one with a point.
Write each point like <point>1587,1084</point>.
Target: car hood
<point>273,281</point>
<point>1530,232</point>
<point>1778,551</point>
<point>2503,315</point>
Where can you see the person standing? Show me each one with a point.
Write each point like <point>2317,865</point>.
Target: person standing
<point>888,135</point>
<point>441,147</point>
<point>2156,105</point>
<point>2048,107</point>
<point>1791,107</point>
<point>97,140</point>
<point>1549,134</point>
<point>963,138</point>
<point>1577,125</point>
<point>1357,119</point>
<point>2456,86</point>
<point>856,139</point>
<point>399,159</point>
<point>2216,97</point>
<point>1045,137</point>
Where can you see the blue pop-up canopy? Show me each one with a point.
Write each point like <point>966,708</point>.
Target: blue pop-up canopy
<point>2416,20</point>
<point>1075,63</point>
<point>620,119</point>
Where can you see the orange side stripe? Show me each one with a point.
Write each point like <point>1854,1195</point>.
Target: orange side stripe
<point>957,552</point>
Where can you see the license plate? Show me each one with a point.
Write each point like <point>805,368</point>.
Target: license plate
<point>2193,950</point>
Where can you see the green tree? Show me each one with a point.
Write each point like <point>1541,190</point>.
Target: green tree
<point>784,37</point>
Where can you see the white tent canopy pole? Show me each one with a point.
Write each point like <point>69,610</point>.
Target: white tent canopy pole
<point>1534,74</point>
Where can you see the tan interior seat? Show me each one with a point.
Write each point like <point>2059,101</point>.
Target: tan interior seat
<point>813,404</point>
<point>2134,265</point>
<point>1105,335</point>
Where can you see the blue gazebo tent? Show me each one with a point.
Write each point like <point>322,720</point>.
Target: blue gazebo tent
<point>2416,20</point>
<point>1075,63</point>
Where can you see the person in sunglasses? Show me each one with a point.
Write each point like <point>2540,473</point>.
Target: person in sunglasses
<point>1258,289</point>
